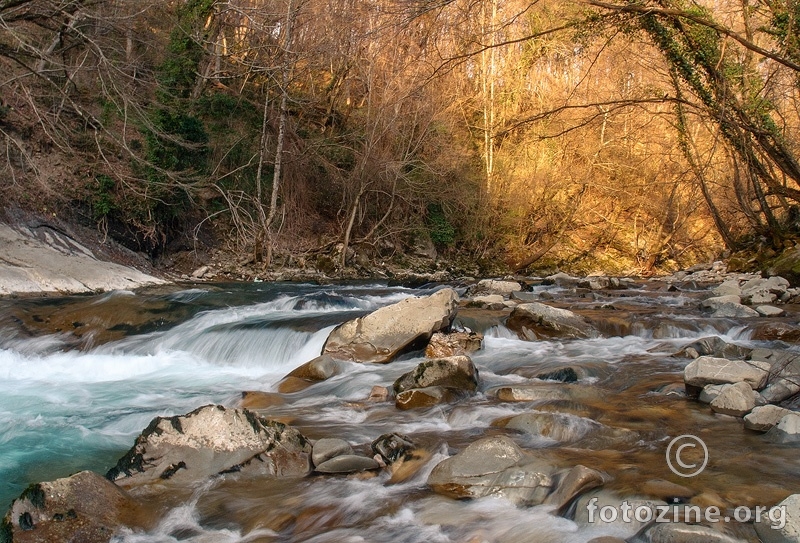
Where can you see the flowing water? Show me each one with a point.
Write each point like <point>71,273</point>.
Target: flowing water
<point>80,377</point>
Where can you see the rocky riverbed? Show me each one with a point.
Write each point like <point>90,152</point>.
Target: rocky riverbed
<point>506,410</point>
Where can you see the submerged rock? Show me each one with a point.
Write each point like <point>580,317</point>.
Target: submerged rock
<point>453,344</point>
<point>535,320</point>
<point>421,398</point>
<point>212,440</point>
<point>678,532</point>
<point>85,508</point>
<point>348,463</point>
<point>383,334</point>
<point>556,426</point>
<point>545,392</point>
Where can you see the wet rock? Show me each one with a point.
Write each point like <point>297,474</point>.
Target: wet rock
<point>763,418</point>
<point>606,539</point>
<point>562,375</point>
<point>524,296</point>
<point>290,384</point>
<point>319,369</point>
<point>84,508</point>
<point>388,331</point>
<point>348,463</point>
<point>393,447</point>
<point>260,400</point>
<point>422,398</point>
<point>710,393</point>
<point>327,448</point>
<point>489,287</point>
<point>535,320</point>
<point>769,311</point>
<point>379,394</point>
<point>769,528</point>
<point>678,532</point>
<point>781,389</point>
<point>736,400</point>
<point>457,372</point>
<point>574,482</point>
<point>492,466</point>
<point>667,491</point>
<point>727,307</point>
<point>453,344</point>
<point>708,370</point>
<point>544,392</point>
<point>211,440</point>
<point>557,426</point>
<point>589,507</point>
<point>777,331</point>
<point>713,346</point>
<point>787,430</point>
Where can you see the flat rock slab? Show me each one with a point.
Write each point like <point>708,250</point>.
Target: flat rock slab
<point>46,260</point>
<point>383,334</point>
<point>535,320</point>
<point>763,418</point>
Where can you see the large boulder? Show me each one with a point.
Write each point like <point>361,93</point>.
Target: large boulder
<point>212,440</point>
<point>454,344</point>
<point>708,370</point>
<point>728,307</point>
<point>787,430</point>
<point>496,466</point>
<point>85,508</point>
<point>782,523</point>
<point>457,372</point>
<point>535,321</point>
<point>383,334</point>
<point>787,265</point>
<point>713,346</point>
<point>763,418</point>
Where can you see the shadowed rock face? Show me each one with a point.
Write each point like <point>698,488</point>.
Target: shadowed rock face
<point>383,334</point>
<point>534,320</point>
<point>84,507</point>
<point>209,441</point>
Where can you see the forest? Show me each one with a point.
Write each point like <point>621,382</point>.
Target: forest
<point>624,136</point>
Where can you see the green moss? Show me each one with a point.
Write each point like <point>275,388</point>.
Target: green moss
<point>34,494</point>
<point>6,531</point>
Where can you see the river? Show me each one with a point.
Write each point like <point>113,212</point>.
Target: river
<point>81,376</point>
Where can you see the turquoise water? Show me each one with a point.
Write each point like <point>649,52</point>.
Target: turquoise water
<point>62,410</point>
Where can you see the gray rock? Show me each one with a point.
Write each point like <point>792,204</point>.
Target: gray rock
<point>85,508</point>
<point>769,311</point>
<point>781,525</point>
<point>589,506</point>
<point>727,307</point>
<point>678,532</point>
<point>713,346</point>
<point>535,320</point>
<point>764,291</point>
<point>736,400</point>
<point>211,440</point>
<point>595,283</point>
<point>457,372</point>
<point>524,296</point>
<point>787,430</point>
<point>781,389</point>
<point>453,344</point>
<point>43,259</point>
<point>728,288</point>
<point>386,332</point>
<point>489,300</point>
<point>764,418</point>
<point>708,370</point>
<point>544,392</point>
<point>348,463</point>
<point>710,393</point>
<point>329,447</point>
<point>492,466</point>
<point>494,287</point>
<point>562,280</point>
